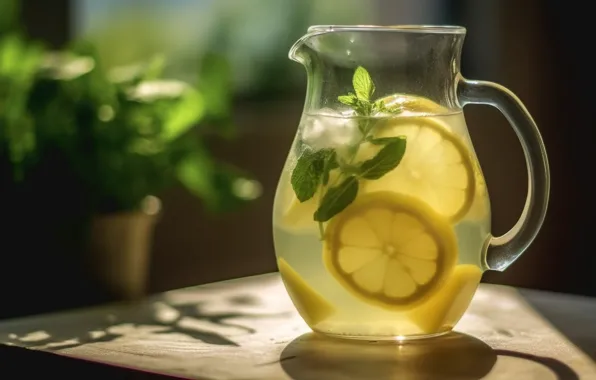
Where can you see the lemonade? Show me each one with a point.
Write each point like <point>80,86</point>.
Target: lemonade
<point>379,220</point>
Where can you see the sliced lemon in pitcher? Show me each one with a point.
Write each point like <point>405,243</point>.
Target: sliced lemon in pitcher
<point>296,216</point>
<point>412,103</point>
<point>436,167</point>
<point>390,250</point>
<point>444,309</point>
<point>312,306</point>
<point>480,208</point>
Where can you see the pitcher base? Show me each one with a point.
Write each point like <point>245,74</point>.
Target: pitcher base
<point>384,339</point>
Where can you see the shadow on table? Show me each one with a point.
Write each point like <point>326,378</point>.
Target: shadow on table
<point>453,356</point>
<point>572,315</point>
<point>191,320</point>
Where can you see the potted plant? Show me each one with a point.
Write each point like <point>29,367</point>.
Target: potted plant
<point>85,152</point>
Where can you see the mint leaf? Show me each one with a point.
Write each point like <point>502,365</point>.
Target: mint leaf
<point>336,199</point>
<point>363,84</point>
<point>349,100</point>
<point>386,160</point>
<point>307,174</point>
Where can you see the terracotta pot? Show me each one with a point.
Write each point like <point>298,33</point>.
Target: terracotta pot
<point>120,250</point>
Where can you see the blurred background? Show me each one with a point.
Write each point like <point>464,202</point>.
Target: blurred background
<point>180,198</point>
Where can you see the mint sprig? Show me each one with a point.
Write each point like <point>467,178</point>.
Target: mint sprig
<point>313,168</point>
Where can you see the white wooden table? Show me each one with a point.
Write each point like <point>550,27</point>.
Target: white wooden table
<point>248,329</point>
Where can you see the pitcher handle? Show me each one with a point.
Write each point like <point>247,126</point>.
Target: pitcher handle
<point>504,250</point>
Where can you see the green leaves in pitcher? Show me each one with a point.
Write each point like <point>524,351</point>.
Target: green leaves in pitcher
<point>312,174</point>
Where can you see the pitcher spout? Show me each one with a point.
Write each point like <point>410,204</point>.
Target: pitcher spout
<point>298,51</point>
<point>294,53</point>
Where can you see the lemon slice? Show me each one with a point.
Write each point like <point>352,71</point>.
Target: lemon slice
<point>390,249</point>
<point>413,104</point>
<point>311,305</point>
<point>444,309</point>
<point>436,167</point>
<point>296,216</point>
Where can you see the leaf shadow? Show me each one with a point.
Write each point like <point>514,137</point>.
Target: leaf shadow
<point>55,333</point>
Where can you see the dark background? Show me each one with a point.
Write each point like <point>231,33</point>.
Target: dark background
<point>535,48</point>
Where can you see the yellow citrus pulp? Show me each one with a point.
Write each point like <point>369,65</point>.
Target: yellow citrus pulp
<point>390,250</point>
<point>311,305</point>
<point>413,104</point>
<point>436,167</point>
<point>446,307</point>
<point>480,208</point>
<point>298,216</point>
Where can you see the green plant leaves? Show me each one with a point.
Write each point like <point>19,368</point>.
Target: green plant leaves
<point>9,16</point>
<point>184,114</point>
<point>19,64</point>
<point>221,186</point>
<point>195,172</point>
<point>214,82</point>
<point>126,133</point>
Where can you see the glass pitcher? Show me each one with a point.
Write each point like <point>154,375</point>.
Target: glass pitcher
<point>381,216</point>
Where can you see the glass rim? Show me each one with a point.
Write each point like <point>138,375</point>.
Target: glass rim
<point>407,28</point>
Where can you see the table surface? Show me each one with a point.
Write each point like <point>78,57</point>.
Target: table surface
<point>248,329</point>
